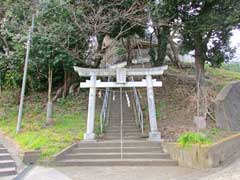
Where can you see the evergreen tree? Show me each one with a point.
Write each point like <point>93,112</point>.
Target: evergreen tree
<point>206,30</point>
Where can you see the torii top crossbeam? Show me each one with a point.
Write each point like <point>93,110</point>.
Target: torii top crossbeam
<point>86,72</point>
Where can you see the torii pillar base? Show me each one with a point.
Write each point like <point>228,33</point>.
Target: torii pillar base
<point>154,136</point>
<point>89,137</point>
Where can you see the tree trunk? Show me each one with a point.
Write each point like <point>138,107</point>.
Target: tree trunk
<point>175,57</point>
<point>49,120</point>
<point>0,82</point>
<point>200,79</point>
<point>129,52</point>
<point>65,85</point>
<point>58,94</point>
<point>162,37</point>
<point>151,51</point>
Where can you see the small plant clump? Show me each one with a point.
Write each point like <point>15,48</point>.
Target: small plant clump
<point>189,138</point>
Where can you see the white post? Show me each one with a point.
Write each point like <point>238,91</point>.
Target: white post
<point>20,111</point>
<point>89,135</point>
<point>154,134</point>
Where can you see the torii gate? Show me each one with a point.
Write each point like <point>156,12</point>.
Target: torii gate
<point>121,76</point>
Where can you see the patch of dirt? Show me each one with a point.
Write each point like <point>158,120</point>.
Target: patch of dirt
<point>176,105</point>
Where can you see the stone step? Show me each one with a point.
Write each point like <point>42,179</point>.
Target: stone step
<point>117,130</point>
<point>124,138</point>
<point>124,126</point>
<point>139,143</point>
<point>131,125</point>
<point>5,156</point>
<point>127,113</point>
<point>117,162</point>
<point>125,118</point>
<point>116,112</point>
<point>124,123</point>
<point>124,134</point>
<point>3,150</point>
<point>124,130</point>
<point>118,156</point>
<point>8,171</point>
<point>116,149</point>
<point>7,163</point>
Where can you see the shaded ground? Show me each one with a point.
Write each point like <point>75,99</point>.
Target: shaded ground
<point>125,173</point>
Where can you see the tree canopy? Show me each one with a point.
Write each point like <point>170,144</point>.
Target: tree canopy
<point>64,30</point>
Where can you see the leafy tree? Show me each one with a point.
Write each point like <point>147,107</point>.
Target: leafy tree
<point>58,46</point>
<point>164,14</point>
<point>206,30</point>
<point>119,18</point>
<point>14,22</point>
<point>126,28</point>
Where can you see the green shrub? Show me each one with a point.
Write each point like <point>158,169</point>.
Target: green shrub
<point>189,138</point>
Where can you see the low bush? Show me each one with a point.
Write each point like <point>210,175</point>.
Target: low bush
<point>189,138</point>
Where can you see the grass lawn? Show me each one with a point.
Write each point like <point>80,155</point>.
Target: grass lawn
<point>221,77</point>
<point>223,74</point>
<point>69,116</point>
<point>217,77</point>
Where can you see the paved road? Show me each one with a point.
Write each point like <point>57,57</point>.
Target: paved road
<point>42,173</point>
<point>228,172</point>
<point>125,173</point>
<point>231,172</point>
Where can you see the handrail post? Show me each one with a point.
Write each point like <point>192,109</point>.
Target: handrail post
<point>103,113</point>
<point>138,108</point>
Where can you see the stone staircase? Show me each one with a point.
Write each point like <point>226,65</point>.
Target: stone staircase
<point>7,164</point>
<point>108,153</point>
<point>131,151</point>
<point>129,127</point>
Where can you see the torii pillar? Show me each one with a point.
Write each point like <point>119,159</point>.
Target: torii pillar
<point>154,133</point>
<point>89,135</point>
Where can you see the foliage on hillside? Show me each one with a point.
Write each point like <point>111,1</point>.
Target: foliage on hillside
<point>70,116</point>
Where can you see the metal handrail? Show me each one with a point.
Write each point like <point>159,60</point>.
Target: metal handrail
<point>138,108</point>
<point>104,110</point>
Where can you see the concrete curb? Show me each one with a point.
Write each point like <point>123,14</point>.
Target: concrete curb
<point>204,156</point>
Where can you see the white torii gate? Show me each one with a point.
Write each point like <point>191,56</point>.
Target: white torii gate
<point>121,75</point>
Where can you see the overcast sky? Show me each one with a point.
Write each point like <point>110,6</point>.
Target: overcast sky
<point>235,42</point>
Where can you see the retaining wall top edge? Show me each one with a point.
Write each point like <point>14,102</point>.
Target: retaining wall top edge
<point>209,145</point>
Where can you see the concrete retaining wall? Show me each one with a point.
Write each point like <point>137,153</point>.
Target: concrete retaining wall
<point>204,156</point>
